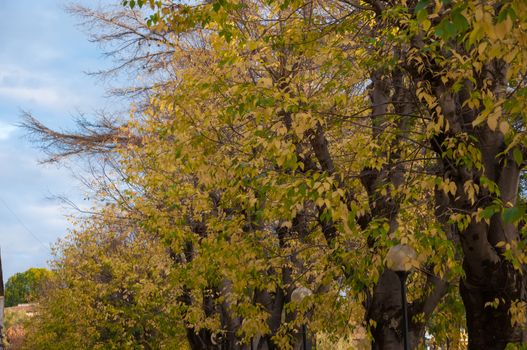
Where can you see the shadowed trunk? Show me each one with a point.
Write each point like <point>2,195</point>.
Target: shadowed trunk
<point>490,327</point>
<point>491,284</point>
<point>385,308</point>
<point>387,311</point>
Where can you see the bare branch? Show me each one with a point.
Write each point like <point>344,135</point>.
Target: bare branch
<point>91,138</point>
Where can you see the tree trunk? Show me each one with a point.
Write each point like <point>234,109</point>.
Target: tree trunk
<point>491,283</point>
<point>490,327</point>
<point>386,311</point>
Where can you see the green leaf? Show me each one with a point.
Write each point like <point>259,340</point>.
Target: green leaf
<point>460,22</point>
<point>291,162</point>
<point>421,5</point>
<point>451,30</point>
<point>216,6</point>
<point>422,15</point>
<point>511,215</point>
<point>285,4</point>
<point>227,34</point>
<point>518,156</point>
<point>488,212</point>
<point>505,12</point>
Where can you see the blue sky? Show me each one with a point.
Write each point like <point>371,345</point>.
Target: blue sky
<point>43,57</point>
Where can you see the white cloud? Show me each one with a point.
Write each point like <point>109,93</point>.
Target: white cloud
<point>37,88</point>
<point>6,130</point>
<point>46,53</point>
<point>15,74</point>
<point>40,96</point>
<point>50,215</point>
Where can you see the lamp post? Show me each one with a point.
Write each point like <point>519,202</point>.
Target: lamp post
<point>297,296</point>
<point>400,259</point>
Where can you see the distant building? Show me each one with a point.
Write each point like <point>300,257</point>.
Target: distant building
<point>28,309</point>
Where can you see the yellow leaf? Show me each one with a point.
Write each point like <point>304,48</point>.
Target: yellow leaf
<point>501,29</point>
<point>482,47</point>
<point>319,201</point>
<point>500,244</point>
<point>452,187</point>
<point>266,82</point>
<point>426,24</point>
<point>504,127</point>
<point>492,122</point>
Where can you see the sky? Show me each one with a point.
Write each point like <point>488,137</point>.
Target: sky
<point>44,55</point>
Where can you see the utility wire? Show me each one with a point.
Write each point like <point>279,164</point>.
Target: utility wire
<point>22,224</point>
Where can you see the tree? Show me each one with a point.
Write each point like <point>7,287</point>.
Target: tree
<point>25,287</point>
<point>459,71</point>
<point>298,141</point>
<point>111,289</point>
<point>258,89</point>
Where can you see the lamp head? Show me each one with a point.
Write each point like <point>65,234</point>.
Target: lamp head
<point>300,293</point>
<point>401,258</point>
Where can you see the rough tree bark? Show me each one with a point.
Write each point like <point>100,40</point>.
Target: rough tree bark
<point>385,307</point>
<point>488,275</point>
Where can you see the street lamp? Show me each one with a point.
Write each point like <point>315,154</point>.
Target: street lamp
<point>401,260</point>
<point>297,296</point>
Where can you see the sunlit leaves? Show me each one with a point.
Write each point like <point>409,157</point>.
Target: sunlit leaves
<point>297,142</point>
<point>112,288</point>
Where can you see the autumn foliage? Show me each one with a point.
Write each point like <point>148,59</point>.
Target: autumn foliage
<point>290,144</point>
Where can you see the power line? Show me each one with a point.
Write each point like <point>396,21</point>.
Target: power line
<point>22,224</point>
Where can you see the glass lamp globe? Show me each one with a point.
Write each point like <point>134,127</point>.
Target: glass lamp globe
<point>300,293</point>
<point>401,258</point>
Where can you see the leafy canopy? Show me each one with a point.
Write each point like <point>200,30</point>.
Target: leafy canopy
<point>25,287</point>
